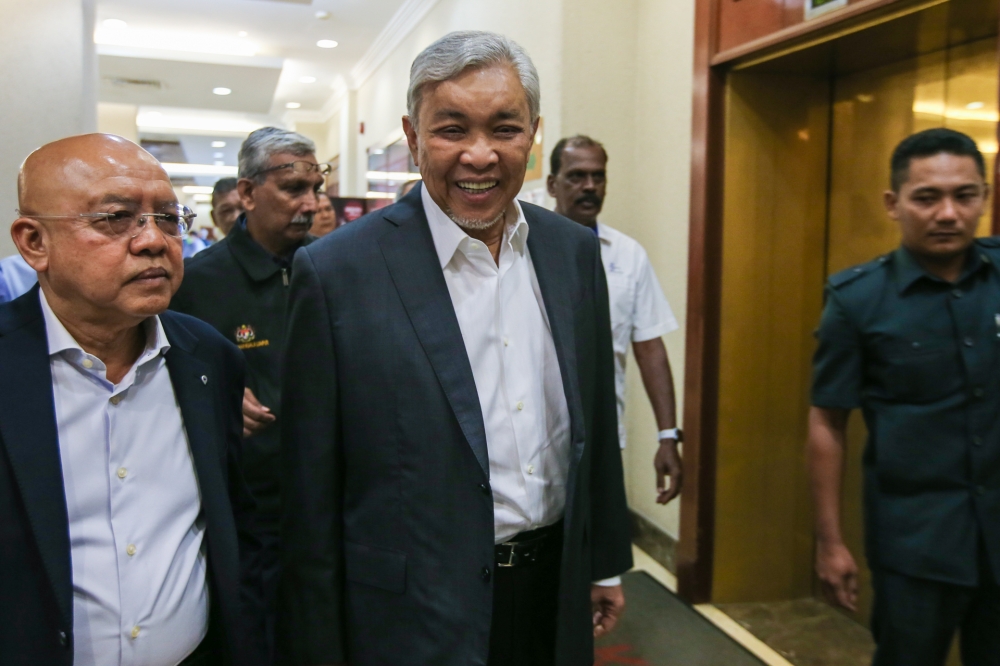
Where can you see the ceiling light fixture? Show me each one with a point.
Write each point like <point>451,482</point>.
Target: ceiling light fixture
<point>218,144</point>
<point>218,156</point>
<point>197,189</point>
<point>293,105</point>
<point>972,106</point>
<point>221,91</point>
<point>202,198</point>
<point>241,34</point>
<point>398,176</point>
<point>175,170</point>
<point>326,44</point>
<point>185,42</point>
<point>307,79</point>
<point>322,15</point>
<point>114,24</point>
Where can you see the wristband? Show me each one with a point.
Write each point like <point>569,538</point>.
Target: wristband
<point>671,433</point>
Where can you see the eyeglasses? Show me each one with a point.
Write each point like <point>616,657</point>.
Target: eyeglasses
<point>300,166</point>
<point>172,220</point>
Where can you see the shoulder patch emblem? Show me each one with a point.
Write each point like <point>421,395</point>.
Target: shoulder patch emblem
<point>245,334</point>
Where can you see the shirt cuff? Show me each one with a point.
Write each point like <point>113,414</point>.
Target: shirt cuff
<point>609,582</point>
<point>653,332</point>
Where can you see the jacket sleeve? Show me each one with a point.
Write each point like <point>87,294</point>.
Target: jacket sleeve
<point>311,605</point>
<point>611,540</point>
<point>244,510</point>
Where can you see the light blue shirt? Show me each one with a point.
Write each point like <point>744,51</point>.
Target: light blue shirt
<point>16,277</point>
<point>139,570</point>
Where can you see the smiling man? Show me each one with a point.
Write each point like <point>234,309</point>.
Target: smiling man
<point>454,490</point>
<point>911,339</point>
<point>120,432</point>
<point>240,286</point>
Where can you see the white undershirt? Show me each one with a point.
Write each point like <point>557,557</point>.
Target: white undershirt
<point>140,596</point>
<point>510,347</point>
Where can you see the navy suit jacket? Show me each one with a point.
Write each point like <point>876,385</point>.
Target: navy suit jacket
<point>388,514</point>
<point>36,587</point>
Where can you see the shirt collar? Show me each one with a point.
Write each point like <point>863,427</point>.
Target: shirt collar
<point>449,237</point>
<point>602,233</point>
<point>60,340</point>
<point>909,272</point>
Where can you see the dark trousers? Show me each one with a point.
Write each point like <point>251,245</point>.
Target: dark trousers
<point>525,606</point>
<point>270,561</point>
<point>914,620</point>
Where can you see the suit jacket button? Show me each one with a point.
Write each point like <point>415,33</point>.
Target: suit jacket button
<point>63,639</point>
<point>484,488</point>
<point>485,574</point>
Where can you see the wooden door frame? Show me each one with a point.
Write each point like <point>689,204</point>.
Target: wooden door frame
<point>701,371</point>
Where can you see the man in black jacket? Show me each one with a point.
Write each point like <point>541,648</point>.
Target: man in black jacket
<point>240,287</point>
<point>125,522</point>
<point>453,481</point>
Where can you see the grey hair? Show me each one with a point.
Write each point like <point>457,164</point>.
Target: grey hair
<point>456,52</point>
<point>256,151</point>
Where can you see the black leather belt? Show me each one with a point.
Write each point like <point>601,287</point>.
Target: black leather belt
<point>529,547</point>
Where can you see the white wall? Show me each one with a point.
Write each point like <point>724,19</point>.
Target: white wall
<point>618,71</point>
<point>49,79</point>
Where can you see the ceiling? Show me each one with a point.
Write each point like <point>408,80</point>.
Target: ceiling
<point>159,56</point>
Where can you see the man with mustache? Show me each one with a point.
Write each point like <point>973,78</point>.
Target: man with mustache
<point>911,338</point>
<point>454,489</point>
<point>240,286</point>
<point>124,517</point>
<point>640,313</point>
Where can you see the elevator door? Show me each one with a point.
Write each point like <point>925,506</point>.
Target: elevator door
<point>872,110</point>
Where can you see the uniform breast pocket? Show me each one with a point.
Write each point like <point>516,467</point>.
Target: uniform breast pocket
<point>918,372</point>
<point>621,294</point>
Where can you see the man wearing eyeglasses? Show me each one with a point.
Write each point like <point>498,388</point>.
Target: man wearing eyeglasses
<point>240,286</point>
<point>125,532</point>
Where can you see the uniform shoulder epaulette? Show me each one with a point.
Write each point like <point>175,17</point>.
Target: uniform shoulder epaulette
<point>851,274</point>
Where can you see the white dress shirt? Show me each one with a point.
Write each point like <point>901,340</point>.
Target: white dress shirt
<point>639,310</point>
<point>139,589</point>
<point>507,337</point>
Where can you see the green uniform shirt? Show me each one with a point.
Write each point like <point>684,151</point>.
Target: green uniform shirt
<point>241,290</point>
<point>920,357</point>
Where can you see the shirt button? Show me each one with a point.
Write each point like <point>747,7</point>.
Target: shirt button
<point>115,399</point>
<point>485,574</point>
<point>122,472</point>
<point>506,341</point>
<point>520,406</point>
<point>87,363</point>
<point>968,342</point>
<point>531,469</point>
<point>63,639</point>
<point>135,631</point>
<point>130,549</point>
<point>485,488</point>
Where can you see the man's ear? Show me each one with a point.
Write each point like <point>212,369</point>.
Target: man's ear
<point>890,199</point>
<point>411,139</point>
<point>246,187</point>
<point>33,242</point>
<point>550,183</point>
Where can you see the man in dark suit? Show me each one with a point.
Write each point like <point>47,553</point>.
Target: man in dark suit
<point>454,491</point>
<point>124,517</point>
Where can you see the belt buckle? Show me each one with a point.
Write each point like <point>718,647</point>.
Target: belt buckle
<point>510,560</point>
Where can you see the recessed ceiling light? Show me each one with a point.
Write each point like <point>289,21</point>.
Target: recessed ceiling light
<point>219,163</point>
<point>174,41</point>
<point>218,144</point>
<point>292,105</point>
<point>326,44</point>
<point>218,155</point>
<point>196,189</point>
<point>241,33</point>
<point>307,79</point>
<point>972,106</point>
<point>322,15</point>
<point>114,24</point>
<point>221,91</point>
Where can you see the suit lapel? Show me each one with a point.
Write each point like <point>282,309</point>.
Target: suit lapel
<point>29,433</point>
<point>193,384</point>
<point>413,264</point>
<point>548,257</point>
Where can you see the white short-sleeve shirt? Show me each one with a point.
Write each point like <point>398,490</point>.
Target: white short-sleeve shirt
<point>639,310</point>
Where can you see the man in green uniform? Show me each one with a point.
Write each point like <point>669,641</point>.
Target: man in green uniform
<point>240,286</point>
<point>912,339</point>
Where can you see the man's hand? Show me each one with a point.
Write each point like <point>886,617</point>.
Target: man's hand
<point>667,462</point>
<point>256,416</point>
<point>838,574</point>
<point>608,603</point>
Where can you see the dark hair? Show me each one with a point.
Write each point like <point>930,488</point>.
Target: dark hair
<point>928,143</point>
<point>223,186</point>
<point>578,141</point>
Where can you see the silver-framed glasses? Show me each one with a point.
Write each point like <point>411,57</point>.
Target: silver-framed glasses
<point>117,221</point>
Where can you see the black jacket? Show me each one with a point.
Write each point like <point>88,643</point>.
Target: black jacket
<point>36,587</point>
<point>388,519</point>
<point>241,289</point>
